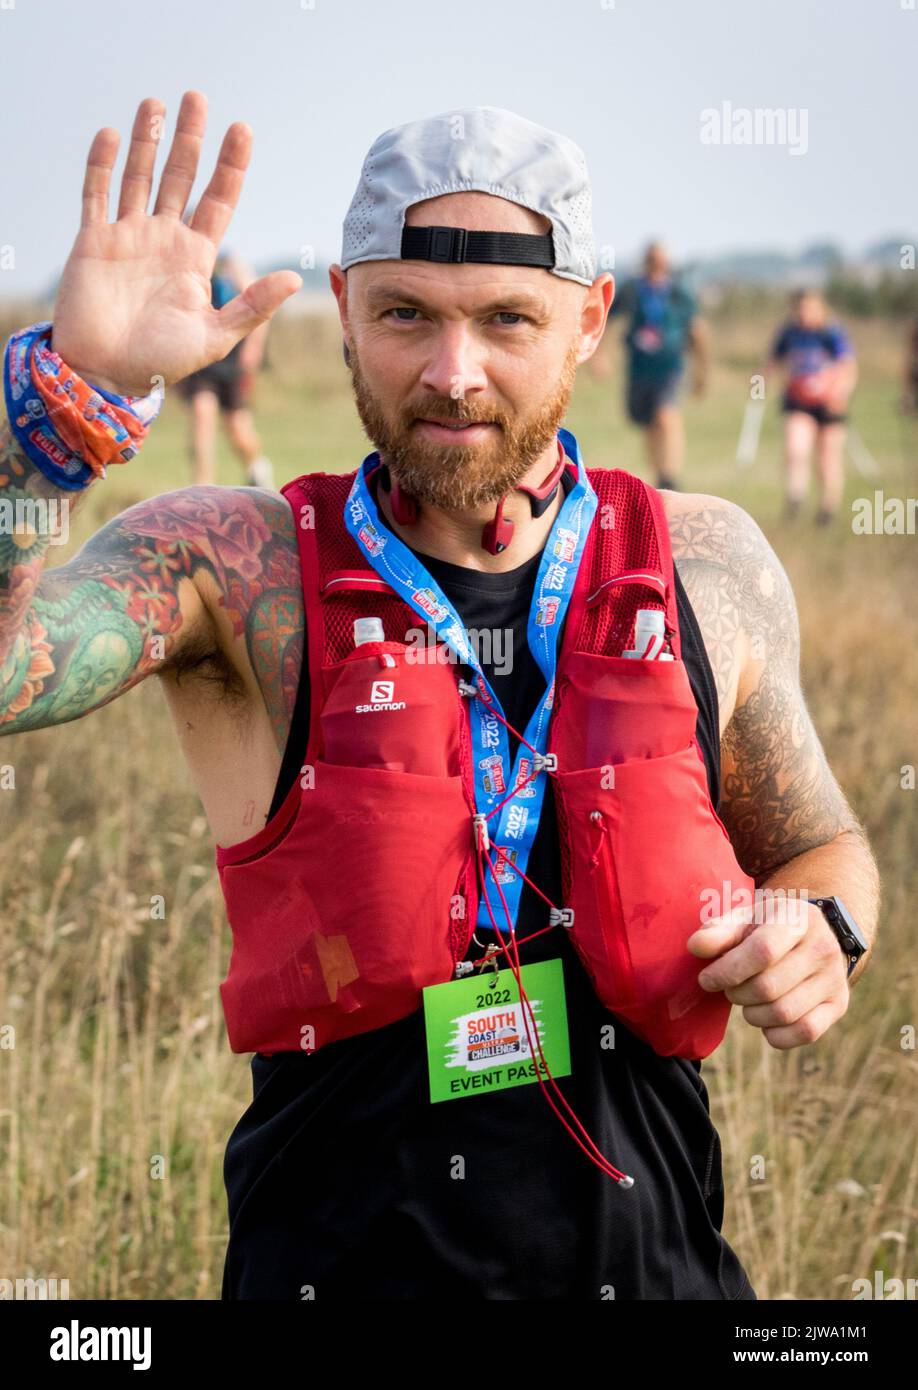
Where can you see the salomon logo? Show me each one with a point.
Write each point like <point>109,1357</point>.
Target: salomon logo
<point>382,696</point>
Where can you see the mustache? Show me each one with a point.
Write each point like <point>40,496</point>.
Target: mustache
<point>453,412</point>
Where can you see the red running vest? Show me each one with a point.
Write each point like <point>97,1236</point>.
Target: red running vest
<point>363,887</point>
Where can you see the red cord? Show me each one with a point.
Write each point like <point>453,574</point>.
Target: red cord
<point>601,1161</point>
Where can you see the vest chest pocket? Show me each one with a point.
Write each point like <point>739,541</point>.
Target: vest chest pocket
<point>369,893</point>
<point>338,926</point>
<point>643,855</point>
<point>387,706</point>
<point>643,848</point>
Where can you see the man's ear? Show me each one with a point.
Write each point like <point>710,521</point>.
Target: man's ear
<point>337,278</point>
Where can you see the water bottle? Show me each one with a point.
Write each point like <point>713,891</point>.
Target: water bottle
<point>368,630</point>
<point>390,713</point>
<point>649,635</point>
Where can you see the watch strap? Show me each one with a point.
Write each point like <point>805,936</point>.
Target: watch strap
<point>850,945</point>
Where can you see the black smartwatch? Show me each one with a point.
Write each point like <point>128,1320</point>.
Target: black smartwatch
<point>850,937</point>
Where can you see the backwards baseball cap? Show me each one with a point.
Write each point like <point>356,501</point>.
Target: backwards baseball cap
<point>482,149</point>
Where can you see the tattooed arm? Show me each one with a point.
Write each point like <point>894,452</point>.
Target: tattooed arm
<point>789,822</point>
<point>166,586</point>
<point>76,636</point>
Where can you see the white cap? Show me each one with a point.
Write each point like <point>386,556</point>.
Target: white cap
<point>483,149</point>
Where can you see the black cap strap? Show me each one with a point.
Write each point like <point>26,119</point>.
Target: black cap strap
<point>455,244</point>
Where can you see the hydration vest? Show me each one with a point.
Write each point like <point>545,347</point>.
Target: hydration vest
<point>363,888</point>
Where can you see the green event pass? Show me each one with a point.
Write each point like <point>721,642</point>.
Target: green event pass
<point>476,1033</point>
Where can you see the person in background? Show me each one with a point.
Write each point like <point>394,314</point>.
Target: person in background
<point>226,387</point>
<point>663,325</point>
<point>909,403</point>
<point>821,374</point>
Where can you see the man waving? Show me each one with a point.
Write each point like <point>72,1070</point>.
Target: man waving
<point>476,956</point>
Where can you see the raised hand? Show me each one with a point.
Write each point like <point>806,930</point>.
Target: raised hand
<point>133,309</point>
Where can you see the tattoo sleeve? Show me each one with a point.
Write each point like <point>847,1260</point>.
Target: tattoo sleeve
<point>245,540</point>
<point>779,796</point>
<point>128,605</point>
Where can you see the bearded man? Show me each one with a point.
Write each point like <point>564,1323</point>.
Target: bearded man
<point>488,917</point>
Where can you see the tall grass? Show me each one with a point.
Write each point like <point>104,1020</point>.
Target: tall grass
<point>119,1094</point>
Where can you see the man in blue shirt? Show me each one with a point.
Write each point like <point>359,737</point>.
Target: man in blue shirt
<point>663,325</point>
<point>821,373</point>
<point>225,388</point>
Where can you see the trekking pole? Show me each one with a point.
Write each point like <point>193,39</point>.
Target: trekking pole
<point>747,447</point>
<point>860,455</point>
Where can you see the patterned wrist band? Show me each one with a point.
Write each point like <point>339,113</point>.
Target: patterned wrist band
<point>70,429</point>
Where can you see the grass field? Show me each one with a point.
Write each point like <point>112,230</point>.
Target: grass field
<point>120,1092</point>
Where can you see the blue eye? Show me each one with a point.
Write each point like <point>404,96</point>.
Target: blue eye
<point>503,314</point>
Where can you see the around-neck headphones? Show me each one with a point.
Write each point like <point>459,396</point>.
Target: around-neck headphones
<point>497,534</point>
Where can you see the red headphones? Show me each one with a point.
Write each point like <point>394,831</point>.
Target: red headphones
<point>497,534</point>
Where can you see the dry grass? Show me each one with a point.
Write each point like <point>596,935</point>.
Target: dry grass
<point>120,1092</point>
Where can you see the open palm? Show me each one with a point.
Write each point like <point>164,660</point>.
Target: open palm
<point>133,308</point>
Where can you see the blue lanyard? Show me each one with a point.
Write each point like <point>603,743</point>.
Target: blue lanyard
<point>518,818</point>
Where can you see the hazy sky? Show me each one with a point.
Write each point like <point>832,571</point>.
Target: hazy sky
<point>628,81</point>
